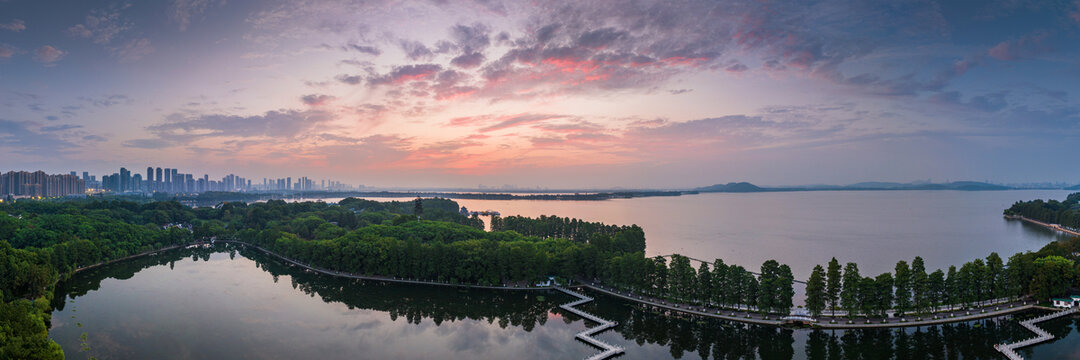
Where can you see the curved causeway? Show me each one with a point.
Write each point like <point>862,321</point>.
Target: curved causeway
<point>586,336</point>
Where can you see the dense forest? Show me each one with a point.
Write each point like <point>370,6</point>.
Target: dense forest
<point>1065,213</point>
<point>42,242</point>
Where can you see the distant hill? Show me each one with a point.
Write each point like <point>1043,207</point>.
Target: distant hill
<point>1077,187</point>
<point>871,185</point>
<point>961,185</point>
<point>731,187</point>
<point>876,185</point>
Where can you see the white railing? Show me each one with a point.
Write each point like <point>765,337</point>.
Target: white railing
<point>586,336</point>
<point>1010,349</point>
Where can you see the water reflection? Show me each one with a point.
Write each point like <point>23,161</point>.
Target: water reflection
<point>460,323</point>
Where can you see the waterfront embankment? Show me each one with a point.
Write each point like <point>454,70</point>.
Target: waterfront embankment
<point>1048,226</point>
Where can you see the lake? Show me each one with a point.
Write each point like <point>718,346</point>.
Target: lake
<point>872,228</point>
<point>232,303</point>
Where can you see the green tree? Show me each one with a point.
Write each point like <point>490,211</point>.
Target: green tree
<point>768,289</point>
<point>935,288</point>
<point>995,274</point>
<point>721,282</point>
<point>816,294</point>
<point>883,300</point>
<point>920,286</point>
<point>952,293</point>
<point>867,295</point>
<point>833,284</point>
<point>1018,274</point>
<point>704,283</point>
<point>902,294</point>
<point>1053,276</point>
<point>852,283</point>
<point>785,290</point>
<point>418,207</point>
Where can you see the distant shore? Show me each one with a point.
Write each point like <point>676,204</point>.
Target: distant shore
<point>743,316</point>
<point>213,198</point>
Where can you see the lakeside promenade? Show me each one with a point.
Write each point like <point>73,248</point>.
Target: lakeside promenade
<point>744,316</point>
<point>1040,223</point>
<point>860,322</point>
<point>824,322</point>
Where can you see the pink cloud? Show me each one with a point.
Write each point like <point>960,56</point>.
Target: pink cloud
<point>506,122</point>
<point>48,54</point>
<point>1025,47</point>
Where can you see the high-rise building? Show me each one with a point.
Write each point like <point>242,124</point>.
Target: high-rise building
<point>38,183</point>
<point>136,182</point>
<point>167,184</point>
<point>125,180</point>
<point>288,183</point>
<point>85,175</point>
<point>175,179</point>
<point>159,181</point>
<point>149,177</point>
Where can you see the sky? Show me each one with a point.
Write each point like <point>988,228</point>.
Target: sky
<point>554,94</point>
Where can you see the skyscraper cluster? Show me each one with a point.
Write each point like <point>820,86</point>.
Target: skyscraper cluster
<point>40,184</point>
<point>169,180</point>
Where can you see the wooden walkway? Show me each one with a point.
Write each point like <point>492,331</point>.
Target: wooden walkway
<point>1041,335</point>
<point>608,350</point>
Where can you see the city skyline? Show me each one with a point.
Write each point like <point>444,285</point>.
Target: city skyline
<point>648,94</point>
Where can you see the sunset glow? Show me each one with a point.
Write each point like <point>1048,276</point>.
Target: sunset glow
<point>560,94</point>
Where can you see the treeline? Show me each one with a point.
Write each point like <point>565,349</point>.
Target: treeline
<point>41,241</point>
<point>1065,213</point>
<point>911,290</point>
<point>722,285</point>
<point>621,238</point>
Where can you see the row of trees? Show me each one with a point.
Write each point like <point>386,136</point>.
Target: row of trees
<point>910,289</point>
<point>623,238</point>
<point>718,285</point>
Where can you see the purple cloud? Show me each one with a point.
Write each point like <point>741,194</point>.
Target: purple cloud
<point>401,74</point>
<point>15,25</point>
<point>132,50</point>
<point>316,99</point>
<point>101,26</point>
<point>468,61</point>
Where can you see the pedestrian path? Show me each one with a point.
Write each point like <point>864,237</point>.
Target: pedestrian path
<point>587,335</point>
<point>1041,335</point>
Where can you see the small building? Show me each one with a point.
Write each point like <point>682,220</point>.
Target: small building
<point>1066,302</point>
<point>550,281</point>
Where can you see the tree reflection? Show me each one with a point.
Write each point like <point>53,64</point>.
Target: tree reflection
<point>683,336</point>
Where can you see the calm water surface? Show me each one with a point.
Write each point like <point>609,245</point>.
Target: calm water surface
<point>222,303</point>
<point>872,228</point>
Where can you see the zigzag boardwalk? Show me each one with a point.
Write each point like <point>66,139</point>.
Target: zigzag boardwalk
<point>586,336</point>
<point>1010,349</point>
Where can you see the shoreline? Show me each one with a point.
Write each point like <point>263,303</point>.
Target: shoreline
<point>1016,306</point>
<point>1045,225</point>
<point>741,316</point>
